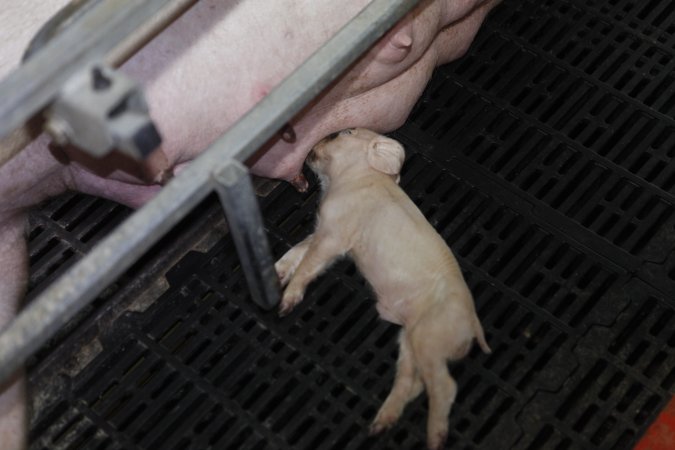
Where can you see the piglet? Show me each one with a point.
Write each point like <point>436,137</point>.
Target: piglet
<point>416,279</point>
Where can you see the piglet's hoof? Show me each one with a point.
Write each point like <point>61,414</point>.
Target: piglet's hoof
<point>284,272</point>
<point>288,302</point>
<point>386,417</point>
<point>377,427</point>
<point>437,442</point>
<point>285,310</point>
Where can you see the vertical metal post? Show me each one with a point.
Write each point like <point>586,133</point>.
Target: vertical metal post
<point>236,193</point>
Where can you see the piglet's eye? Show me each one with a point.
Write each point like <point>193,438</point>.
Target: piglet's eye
<point>347,131</point>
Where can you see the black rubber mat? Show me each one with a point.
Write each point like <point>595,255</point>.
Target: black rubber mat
<point>543,157</point>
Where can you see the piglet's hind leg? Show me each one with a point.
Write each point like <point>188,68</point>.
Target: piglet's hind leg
<point>434,340</point>
<point>407,386</point>
<point>441,391</point>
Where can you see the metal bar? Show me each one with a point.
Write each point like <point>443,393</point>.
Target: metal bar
<point>146,32</point>
<point>34,84</point>
<point>244,221</point>
<point>70,13</point>
<point>21,136</point>
<point>117,252</point>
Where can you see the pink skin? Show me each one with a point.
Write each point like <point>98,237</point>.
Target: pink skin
<point>401,62</point>
<point>201,75</point>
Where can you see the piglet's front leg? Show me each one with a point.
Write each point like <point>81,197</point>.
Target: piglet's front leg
<point>319,253</point>
<point>287,264</point>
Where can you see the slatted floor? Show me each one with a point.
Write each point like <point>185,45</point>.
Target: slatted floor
<point>543,157</point>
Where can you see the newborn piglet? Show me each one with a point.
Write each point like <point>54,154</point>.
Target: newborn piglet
<point>416,279</point>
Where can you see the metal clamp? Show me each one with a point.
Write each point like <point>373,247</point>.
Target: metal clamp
<point>236,193</point>
<point>99,110</point>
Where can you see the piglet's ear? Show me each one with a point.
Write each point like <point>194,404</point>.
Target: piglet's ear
<point>385,155</point>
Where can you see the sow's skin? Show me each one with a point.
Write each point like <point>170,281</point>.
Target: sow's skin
<point>202,74</point>
<point>418,284</point>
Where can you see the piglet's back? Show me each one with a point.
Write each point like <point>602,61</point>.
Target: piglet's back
<point>397,249</point>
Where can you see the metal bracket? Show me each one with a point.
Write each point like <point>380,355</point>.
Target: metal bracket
<point>236,193</point>
<point>99,110</point>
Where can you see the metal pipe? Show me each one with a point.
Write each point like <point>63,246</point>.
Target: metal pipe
<point>147,31</point>
<point>234,187</point>
<point>117,252</point>
<point>124,49</point>
<point>34,84</point>
<point>21,136</point>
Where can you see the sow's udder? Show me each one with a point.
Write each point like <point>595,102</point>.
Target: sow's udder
<point>381,89</point>
<point>219,59</point>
